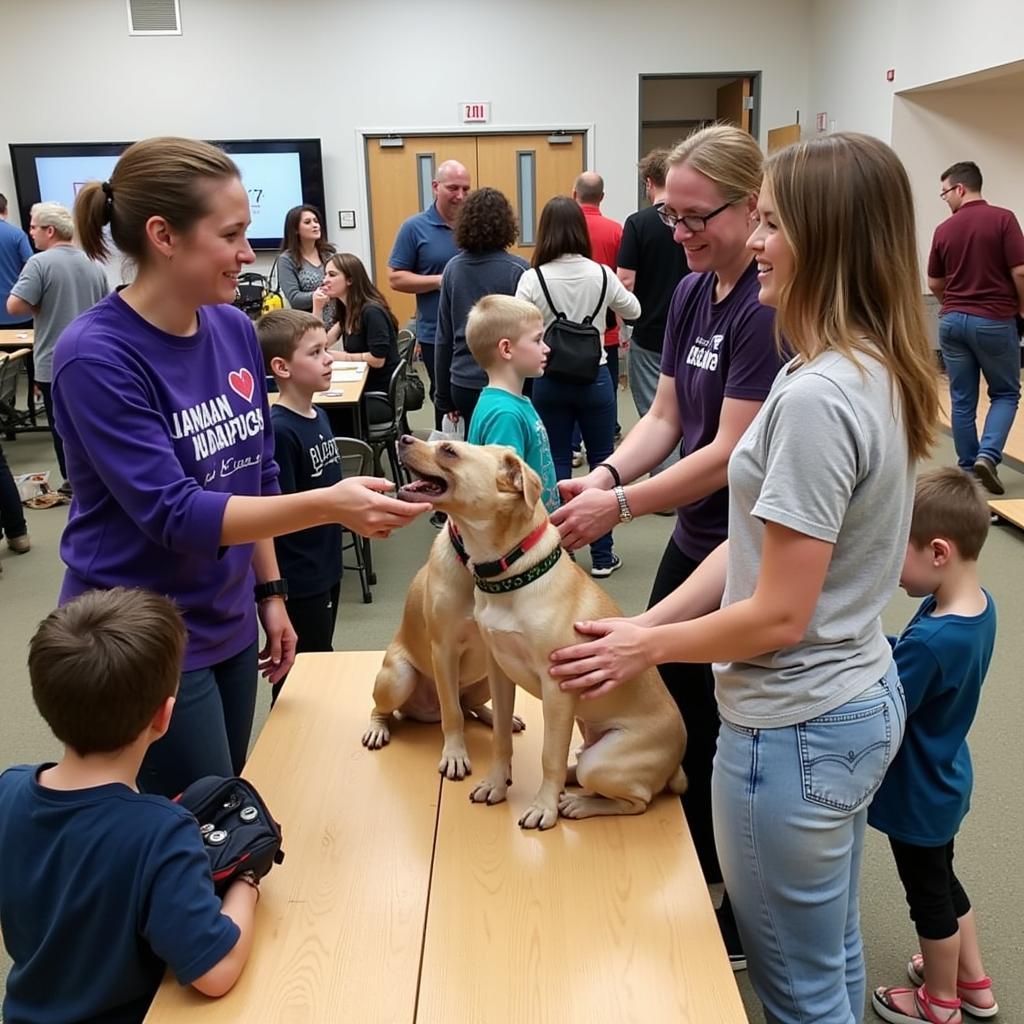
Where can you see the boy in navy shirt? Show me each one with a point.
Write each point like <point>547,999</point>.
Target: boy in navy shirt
<point>101,887</point>
<point>295,351</point>
<point>942,657</point>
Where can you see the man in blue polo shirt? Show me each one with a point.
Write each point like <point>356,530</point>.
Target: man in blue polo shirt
<point>422,248</point>
<point>15,251</point>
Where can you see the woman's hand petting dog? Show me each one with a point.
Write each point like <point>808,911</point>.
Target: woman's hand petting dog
<point>585,517</point>
<point>599,666</point>
<point>362,507</point>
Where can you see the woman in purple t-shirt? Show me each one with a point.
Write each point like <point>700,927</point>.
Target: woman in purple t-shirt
<point>159,392</point>
<point>718,363</point>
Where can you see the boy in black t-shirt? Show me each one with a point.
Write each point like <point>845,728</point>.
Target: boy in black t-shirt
<point>102,887</point>
<point>295,351</point>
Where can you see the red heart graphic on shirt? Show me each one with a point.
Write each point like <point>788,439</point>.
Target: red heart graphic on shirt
<point>242,383</point>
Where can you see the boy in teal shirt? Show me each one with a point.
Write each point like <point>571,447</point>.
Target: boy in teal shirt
<point>506,337</point>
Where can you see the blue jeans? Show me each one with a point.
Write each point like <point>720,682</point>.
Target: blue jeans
<point>790,810</point>
<point>592,406</point>
<point>210,727</point>
<point>971,345</point>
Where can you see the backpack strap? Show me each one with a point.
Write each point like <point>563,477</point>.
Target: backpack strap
<point>547,295</point>
<point>600,301</point>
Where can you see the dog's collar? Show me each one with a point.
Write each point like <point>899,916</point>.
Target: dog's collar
<point>521,579</point>
<point>485,570</point>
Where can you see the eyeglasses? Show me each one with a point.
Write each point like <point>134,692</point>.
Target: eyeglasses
<point>946,191</point>
<point>693,222</point>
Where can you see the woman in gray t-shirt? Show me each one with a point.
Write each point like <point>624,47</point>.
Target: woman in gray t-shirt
<point>300,267</point>
<point>821,492</point>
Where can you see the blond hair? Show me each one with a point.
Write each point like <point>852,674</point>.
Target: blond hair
<point>164,177</point>
<point>495,317</point>
<point>949,504</point>
<point>53,215</point>
<point>727,155</point>
<point>844,205</point>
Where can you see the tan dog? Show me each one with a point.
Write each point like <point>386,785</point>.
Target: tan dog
<point>435,668</point>
<point>633,737</point>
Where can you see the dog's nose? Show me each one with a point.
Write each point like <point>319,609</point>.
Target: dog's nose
<point>407,439</point>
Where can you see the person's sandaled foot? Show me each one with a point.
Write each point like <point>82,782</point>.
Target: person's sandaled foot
<point>976,997</point>
<point>910,1006</point>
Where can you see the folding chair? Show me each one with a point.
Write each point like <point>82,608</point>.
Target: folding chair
<point>357,460</point>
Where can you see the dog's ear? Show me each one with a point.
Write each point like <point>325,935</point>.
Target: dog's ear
<point>516,476</point>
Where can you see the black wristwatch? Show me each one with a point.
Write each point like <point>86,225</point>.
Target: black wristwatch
<point>272,588</point>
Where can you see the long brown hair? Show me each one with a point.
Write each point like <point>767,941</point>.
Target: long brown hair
<point>845,206</point>
<point>164,177</point>
<point>562,231</point>
<point>292,245</point>
<point>362,292</point>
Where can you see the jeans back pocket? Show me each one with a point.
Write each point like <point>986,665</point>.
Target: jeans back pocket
<point>844,754</point>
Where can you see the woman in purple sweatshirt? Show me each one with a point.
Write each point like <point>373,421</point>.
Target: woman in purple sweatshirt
<point>159,392</point>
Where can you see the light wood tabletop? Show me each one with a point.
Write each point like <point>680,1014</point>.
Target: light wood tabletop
<point>346,389</point>
<point>400,901</point>
<point>339,926</point>
<point>601,920</point>
<point>22,338</point>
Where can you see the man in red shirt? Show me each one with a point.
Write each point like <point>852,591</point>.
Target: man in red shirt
<point>605,237</point>
<point>976,270</point>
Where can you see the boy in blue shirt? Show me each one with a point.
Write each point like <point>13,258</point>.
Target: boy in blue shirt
<point>101,887</point>
<point>506,337</point>
<point>942,657</point>
<point>295,351</point>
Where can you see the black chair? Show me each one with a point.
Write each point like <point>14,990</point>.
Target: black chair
<point>385,414</point>
<point>12,418</point>
<point>357,460</point>
<point>406,345</point>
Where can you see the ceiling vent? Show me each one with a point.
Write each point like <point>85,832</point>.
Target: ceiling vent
<point>154,18</point>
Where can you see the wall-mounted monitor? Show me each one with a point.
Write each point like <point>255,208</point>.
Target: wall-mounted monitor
<point>277,173</point>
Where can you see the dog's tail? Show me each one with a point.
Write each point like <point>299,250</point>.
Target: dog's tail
<point>677,784</point>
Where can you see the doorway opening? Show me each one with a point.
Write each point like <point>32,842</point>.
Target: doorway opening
<point>673,106</point>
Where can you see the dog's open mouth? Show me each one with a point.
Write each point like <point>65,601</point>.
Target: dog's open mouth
<point>423,487</point>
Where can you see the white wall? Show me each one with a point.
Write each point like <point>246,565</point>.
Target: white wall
<point>325,68</point>
<point>854,42</point>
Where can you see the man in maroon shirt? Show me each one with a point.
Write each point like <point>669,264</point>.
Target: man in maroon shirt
<point>976,270</point>
<point>605,237</point>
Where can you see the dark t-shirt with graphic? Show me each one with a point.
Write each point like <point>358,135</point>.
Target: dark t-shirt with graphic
<point>715,350</point>
<point>310,560</point>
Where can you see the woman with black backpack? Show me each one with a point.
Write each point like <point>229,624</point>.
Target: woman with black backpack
<point>574,294</point>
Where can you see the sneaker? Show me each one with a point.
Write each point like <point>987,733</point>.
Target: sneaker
<point>577,458</point>
<point>600,572</point>
<point>438,520</point>
<point>19,545</point>
<point>65,489</point>
<point>985,471</point>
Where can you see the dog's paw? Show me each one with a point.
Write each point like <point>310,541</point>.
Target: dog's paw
<point>575,805</point>
<point>518,725</point>
<point>539,817</point>
<point>490,791</point>
<point>377,735</point>
<point>455,765</point>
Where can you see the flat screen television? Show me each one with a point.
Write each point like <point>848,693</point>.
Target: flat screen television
<point>277,173</point>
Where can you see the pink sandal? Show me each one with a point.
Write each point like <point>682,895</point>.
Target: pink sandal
<point>915,971</point>
<point>925,1005</point>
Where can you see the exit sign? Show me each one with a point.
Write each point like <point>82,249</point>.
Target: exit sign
<point>475,113</point>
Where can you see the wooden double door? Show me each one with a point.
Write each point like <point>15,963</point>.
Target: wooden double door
<point>528,168</point>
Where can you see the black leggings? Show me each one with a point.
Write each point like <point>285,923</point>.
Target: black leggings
<point>313,620</point>
<point>934,893</point>
<point>692,687</point>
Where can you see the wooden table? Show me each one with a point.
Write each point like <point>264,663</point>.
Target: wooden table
<point>400,901</point>
<point>22,338</point>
